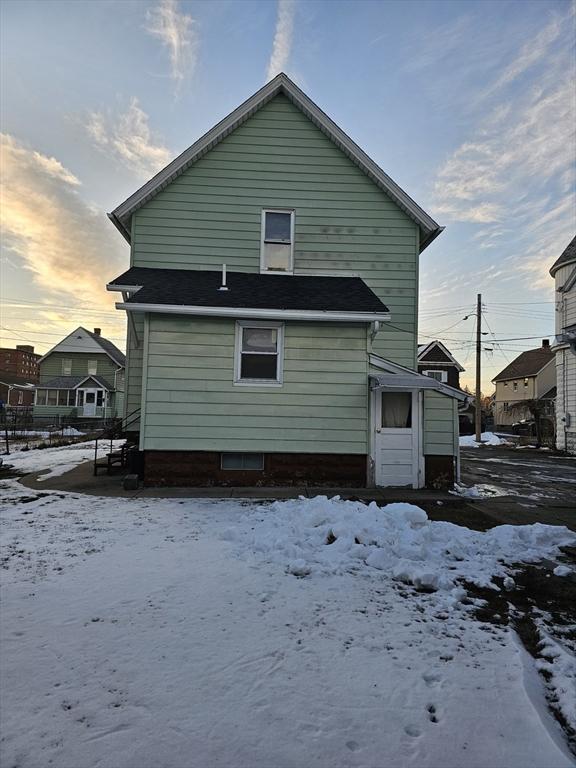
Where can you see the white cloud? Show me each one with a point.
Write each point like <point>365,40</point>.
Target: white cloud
<point>178,33</point>
<point>515,173</point>
<point>70,247</point>
<point>127,138</point>
<point>531,53</point>
<point>282,38</point>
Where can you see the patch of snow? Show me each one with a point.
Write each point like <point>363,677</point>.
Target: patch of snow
<point>487,438</point>
<point>59,460</point>
<point>562,570</point>
<point>479,491</point>
<point>560,666</point>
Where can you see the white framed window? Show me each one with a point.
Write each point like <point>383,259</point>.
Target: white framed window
<point>246,461</point>
<point>438,375</point>
<point>277,241</point>
<point>66,367</point>
<point>259,353</point>
<point>515,386</point>
<point>92,367</point>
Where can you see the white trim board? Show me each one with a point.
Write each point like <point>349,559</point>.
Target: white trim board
<point>281,84</point>
<point>251,313</point>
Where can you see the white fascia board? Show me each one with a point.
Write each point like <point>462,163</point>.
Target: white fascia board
<point>265,314</point>
<point>122,288</point>
<point>120,216</point>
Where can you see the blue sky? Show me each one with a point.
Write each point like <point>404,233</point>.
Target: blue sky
<point>469,106</point>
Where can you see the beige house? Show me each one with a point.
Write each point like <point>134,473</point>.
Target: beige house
<point>531,376</point>
<point>564,273</point>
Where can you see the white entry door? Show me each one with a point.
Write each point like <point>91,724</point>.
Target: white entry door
<point>397,439</point>
<point>90,402</point>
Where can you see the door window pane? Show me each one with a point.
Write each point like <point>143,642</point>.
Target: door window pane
<point>90,398</point>
<point>396,410</point>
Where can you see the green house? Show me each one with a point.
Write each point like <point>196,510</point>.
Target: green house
<point>81,378</point>
<point>272,311</point>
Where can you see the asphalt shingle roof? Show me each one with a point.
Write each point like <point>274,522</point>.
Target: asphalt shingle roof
<point>529,363</point>
<point>250,290</point>
<point>71,382</point>
<point>116,355</point>
<point>568,255</point>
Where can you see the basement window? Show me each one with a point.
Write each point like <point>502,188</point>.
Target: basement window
<point>277,244</point>
<point>245,461</point>
<point>259,350</point>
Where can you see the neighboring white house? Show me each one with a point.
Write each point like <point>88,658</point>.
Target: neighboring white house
<point>564,273</point>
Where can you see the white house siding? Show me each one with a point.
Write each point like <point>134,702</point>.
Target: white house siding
<point>565,364</point>
<point>191,403</point>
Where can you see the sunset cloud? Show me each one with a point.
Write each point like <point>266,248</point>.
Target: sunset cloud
<point>127,138</point>
<point>282,44</point>
<point>69,247</point>
<point>178,33</point>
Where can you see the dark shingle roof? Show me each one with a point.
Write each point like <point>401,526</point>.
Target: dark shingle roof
<point>250,290</point>
<point>529,363</point>
<point>111,349</point>
<point>567,256</point>
<point>71,382</point>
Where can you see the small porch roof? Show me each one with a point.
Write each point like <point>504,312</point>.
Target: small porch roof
<point>397,377</point>
<point>73,382</point>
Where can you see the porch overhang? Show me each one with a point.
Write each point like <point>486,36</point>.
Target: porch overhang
<point>404,381</point>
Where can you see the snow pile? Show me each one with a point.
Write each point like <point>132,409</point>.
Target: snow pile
<point>487,438</point>
<point>326,536</point>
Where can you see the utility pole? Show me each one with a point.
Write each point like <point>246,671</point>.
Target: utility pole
<point>478,409</point>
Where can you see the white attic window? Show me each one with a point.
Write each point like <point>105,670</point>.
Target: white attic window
<point>277,241</point>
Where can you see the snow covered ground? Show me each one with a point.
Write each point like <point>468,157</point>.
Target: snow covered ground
<point>57,461</point>
<point>139,633</point>
<point>487,438</point>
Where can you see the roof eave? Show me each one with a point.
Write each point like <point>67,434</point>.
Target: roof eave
<point>255,313</point>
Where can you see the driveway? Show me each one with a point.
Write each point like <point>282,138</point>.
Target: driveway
<point>521,485</point>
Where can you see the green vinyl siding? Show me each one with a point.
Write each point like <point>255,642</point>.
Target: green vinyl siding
<point>51,367</point>
<point>191,402</point>
<point>344,223</point>
<point>133,380</point>
<point>440,424</point>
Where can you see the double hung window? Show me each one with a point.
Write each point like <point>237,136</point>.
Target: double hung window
<point>259,348</point>
<point>277,248</point>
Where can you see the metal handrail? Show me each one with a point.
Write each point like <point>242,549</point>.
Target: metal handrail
<point>113,432</point>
